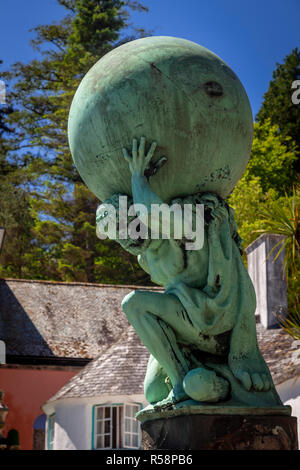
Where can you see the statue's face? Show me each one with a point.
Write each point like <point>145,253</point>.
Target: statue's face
<point>114,222</point>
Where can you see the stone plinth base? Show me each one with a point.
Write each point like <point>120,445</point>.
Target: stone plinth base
<point>221,432</point>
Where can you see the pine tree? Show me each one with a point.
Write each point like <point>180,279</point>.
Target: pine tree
<point>64,243</point>
<point>277,103</point>
<point>15,213</point>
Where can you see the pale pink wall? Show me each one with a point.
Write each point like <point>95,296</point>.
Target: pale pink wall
<point>25,391</point>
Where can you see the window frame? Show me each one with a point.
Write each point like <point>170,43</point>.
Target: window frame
<point>131,434</point>
<point>120,431</point>
<point>50,431</point>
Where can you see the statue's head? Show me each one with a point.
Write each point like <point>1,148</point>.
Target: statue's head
<point>108,214</point>
<point>113,220</point>
<point>171,91</point>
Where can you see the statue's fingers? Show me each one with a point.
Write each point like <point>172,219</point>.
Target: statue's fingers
<point>160,162</point>
<point>258,383</point>
<point>151,151</point>
<point>142,147</point>
<point>156,166</point>
<point>126,156</point>
<point>134,149</point>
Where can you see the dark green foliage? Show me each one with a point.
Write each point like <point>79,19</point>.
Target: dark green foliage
<point>16,217</point>
<point>45,207</point>
<point>277,103</point>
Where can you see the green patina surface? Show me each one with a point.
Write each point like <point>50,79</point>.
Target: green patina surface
<point>191,407</point>
<point>172,91</point>
<point>201,331</point>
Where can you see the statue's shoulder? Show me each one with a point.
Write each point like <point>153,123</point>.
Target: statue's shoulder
<point>207,199</point>
<point>211,203</point>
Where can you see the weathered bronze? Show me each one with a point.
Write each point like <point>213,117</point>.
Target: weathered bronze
<point>187,119</point>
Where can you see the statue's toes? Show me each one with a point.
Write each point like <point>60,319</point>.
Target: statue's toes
<point>258,383</point>
<point>267,382</point>
<point>244,378</point>
<point>261,382</point>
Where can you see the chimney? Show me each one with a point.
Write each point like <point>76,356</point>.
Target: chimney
<point>268,278</point>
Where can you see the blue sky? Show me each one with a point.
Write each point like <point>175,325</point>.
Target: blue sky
<point>251,36</point>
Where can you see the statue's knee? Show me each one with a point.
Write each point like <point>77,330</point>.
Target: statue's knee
<point>156,392</point>
<point>130,304</point>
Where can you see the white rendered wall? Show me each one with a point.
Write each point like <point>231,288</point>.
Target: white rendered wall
<point>289,393</point>
<point>268,278</point>
<point>74,419</point>
<point>258,274</point>
<point>70,426</point>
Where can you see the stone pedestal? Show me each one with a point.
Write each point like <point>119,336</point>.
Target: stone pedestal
<point>221,432</point>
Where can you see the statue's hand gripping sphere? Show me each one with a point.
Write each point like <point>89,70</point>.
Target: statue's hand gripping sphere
<point>139,163</point>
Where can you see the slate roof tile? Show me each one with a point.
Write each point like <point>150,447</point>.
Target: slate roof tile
<point>44,318</point>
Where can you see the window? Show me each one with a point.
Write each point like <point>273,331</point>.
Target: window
<point>131,427</point>
<point>51,426</point>
<point>115,427</point>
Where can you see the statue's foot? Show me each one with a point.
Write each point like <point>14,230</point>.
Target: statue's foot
<point>176,395</point>
<point>204,385</point>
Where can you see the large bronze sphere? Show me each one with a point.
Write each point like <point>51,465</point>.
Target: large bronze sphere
<point>171,91</point>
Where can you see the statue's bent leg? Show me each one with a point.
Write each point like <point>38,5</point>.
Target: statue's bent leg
<point>160,321</point>
<point>146,311</point>
<point>156,385</point>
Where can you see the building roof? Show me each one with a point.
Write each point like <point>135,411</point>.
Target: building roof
<point>42,319</point>
<point>121,368</point>
<point>80,320</point>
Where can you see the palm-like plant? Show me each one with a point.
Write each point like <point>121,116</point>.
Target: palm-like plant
<point>291,323</point>
<point>283,218</point>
